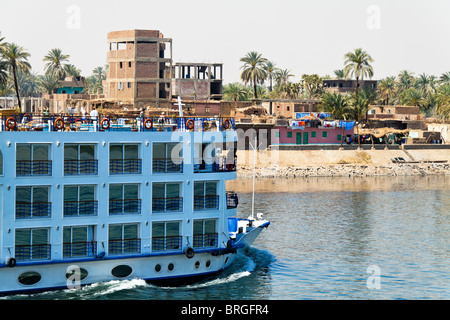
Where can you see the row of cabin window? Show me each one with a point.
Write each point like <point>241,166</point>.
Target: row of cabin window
<point>86,193</point>
<point>82,236</point>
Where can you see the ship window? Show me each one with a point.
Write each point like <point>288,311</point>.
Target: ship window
<point>32,244</point>
<point>170,267</point>
<point>205,195</point>
<point>33,159</point>
<point>77,273</point>
<point>166,197</point>
<point>32,202</point>
<point>205,233</point>
<point>158,268</point>
<point>121,271</point>
<point>197,264</point>
<point>166,236</point>
<point>79,200</point>
<point>167,157</point>
<point>124,198</point>
<point>124,158</point>
<point>80,159</point>
<point>77,241</point>
<point>1,163</point>
<point>124,238</point>
<point>29,278</point>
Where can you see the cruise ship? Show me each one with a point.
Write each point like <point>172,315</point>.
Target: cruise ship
<point>93,200</point>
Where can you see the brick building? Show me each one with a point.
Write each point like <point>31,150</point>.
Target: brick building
<point>140,68</point>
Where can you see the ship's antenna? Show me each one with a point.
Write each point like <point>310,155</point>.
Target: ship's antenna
<point>254,174</point>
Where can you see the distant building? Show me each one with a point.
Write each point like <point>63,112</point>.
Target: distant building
<point>398,112</point>
<point>140,68</point>
<point>197,81</point>
<point>71,85</point>
<point>344,86</point>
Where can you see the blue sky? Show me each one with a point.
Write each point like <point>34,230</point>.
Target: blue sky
<point>302,36</point>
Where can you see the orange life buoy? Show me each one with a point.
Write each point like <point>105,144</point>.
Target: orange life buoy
<point>59,123</point>
<point>26,115</point>
<point>105,123</point>
<point>190,124</point>
<point>226,124</point>
<point>148,124</point>
<point>11,123</point>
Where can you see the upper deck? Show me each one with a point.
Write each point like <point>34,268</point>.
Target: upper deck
<point>71,123</point>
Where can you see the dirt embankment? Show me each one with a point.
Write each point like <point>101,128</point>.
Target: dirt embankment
<point>331,163</point>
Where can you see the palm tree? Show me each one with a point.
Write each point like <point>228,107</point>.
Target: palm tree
<point>357,64</point>
<point>234,92</point>
<point>387,88</point>
<point>3,65</point>
<point>412,97</point>
<point>337,105</point>
<point>282,78</point>
<point>339,74</point>
<point>71,71</point>
<point>49,82</point>
<point>17,59</point>
<point>55,62</point>
<point>270,71</point>
<point>253,69</point>
<point>443,100</point>
<point>359,106</point>
<point>312,84</point>
<point>445,78</point>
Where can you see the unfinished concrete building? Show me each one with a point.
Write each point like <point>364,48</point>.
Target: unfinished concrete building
<point>197,81</point>
<point>140,68</point>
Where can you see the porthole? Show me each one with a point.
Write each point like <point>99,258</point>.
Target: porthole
<point>197,264</point>
<point>208,263</point>
<point>170,267</point>
<point>29,278</point>
<point>78,273</point>
<point>121,271</point>
<point>158,268</point>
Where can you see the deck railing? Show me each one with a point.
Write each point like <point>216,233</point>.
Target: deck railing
<point>167,165</point>
<point>80,167</point>
<point>33,252</point>
<point>166,243</point>
<point>206,202</point>
<point>80,208</point>
<point>205,240</point>
<point>217,164</point>
<point>124,246</point>
<point>64,122</point>
<point>25,210</point>
<point>79,249</point>
<point>167,204</point>
<point>125,206</point>
<point>33,167</point>
<point>125,166</point>
<point>232,200</point>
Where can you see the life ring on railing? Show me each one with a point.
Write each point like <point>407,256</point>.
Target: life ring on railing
<point>11,123</point>
<point>105,123</point>
<point>148,124</point>
<point>226,124</point>
<point>26,115</point>
<point>11,262</point>
<point>189,252</point>
<point>59,123</point>
<point>190,124</point>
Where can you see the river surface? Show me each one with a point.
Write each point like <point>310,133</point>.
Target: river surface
<point>329,238</point>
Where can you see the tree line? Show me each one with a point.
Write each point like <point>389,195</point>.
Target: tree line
<point>261,79</point>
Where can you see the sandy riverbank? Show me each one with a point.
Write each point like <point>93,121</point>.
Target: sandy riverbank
<point>342,163</point>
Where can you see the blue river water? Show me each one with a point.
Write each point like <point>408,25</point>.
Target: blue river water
<point>329,239</point>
